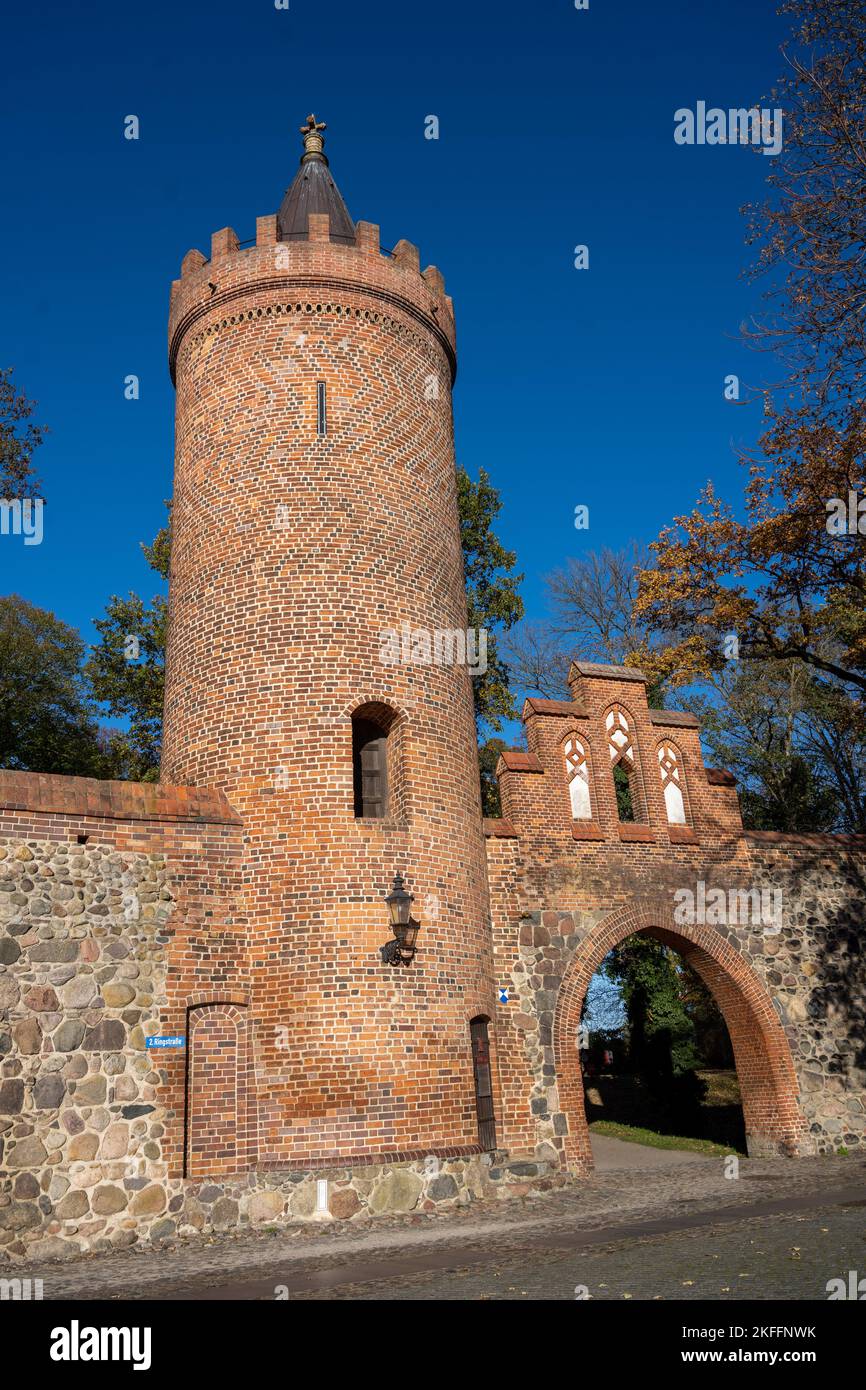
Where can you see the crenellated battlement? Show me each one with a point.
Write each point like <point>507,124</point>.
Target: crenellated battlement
<point>317,272</point>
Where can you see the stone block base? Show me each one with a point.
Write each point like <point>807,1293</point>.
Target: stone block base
<point>100,1209</point>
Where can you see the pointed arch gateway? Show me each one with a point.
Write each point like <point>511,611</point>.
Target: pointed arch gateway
<point>768,1082</point>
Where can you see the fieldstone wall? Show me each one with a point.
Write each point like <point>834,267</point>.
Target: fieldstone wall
<point>170,1209</point>
<point>815,971</point>
<point>85,933</point>
<point>82,976</point>
<point>546,944</point>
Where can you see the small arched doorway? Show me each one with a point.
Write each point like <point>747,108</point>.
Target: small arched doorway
<point>217,1091</point>
<point>768,1083</point>
<point>478,1033</point>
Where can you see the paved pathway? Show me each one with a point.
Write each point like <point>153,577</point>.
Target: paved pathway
<point>615,1155</point>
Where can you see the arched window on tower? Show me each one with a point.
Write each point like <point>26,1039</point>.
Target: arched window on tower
<point>623,764</point>
<point>577,773</point>
<point>670,767</point>
<point>370,768</point>
<point>378,757</point>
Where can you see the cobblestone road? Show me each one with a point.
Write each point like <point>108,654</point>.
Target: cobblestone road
<point>779,1257</point>
<point>672,1232</point>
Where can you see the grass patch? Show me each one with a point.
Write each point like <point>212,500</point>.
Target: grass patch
<point>722,1087</point>
<point>632,1134</point>
<point>717,1121</point>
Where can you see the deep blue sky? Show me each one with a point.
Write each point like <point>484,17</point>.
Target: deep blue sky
<point>601,387</point>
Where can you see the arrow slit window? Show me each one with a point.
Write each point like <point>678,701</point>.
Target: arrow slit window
<point>577,773</point>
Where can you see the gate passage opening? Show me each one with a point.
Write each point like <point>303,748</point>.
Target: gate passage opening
<point>655,1052</point>
<point>772,1122</point>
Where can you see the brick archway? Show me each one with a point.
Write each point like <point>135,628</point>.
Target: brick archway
<point>768,1083</point>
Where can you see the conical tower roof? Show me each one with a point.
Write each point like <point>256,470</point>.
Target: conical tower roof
<point>313,190</point>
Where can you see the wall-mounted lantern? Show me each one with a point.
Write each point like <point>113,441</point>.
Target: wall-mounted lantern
<point>401,950</point>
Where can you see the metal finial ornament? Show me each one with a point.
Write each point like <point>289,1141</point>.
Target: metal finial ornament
<point>314,191</point>
<point>312,126</point>
<point>314,144</point>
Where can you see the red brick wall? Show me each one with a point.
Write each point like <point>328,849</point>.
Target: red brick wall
<point>564,892</point>
<point>291,554</point>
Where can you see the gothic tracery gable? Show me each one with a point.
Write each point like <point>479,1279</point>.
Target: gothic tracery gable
<point>619,736</point>
<point>670,767</point>
<point>577,772</point>
<point>624,764</point>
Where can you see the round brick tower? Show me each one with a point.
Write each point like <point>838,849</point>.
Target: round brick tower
<point>316,565</point>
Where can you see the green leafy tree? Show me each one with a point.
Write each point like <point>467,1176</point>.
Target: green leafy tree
<point>661,1028</point>
<point>622,787</point>
<point>800,802</point>
<point>712,1040</point>
<point>48,722</point>
<point>126,669</point>
<point>658,1020</point>
<point>488,756</point>
<point>20,437</point>
<point>834,740</point>
<point>494,604</point>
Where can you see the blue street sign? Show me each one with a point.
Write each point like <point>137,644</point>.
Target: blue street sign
<point>173,1041</point>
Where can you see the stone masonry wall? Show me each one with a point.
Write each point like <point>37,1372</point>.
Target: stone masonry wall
<point>815,970</point>
<point>116,916</point>
<point>84,974</point>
